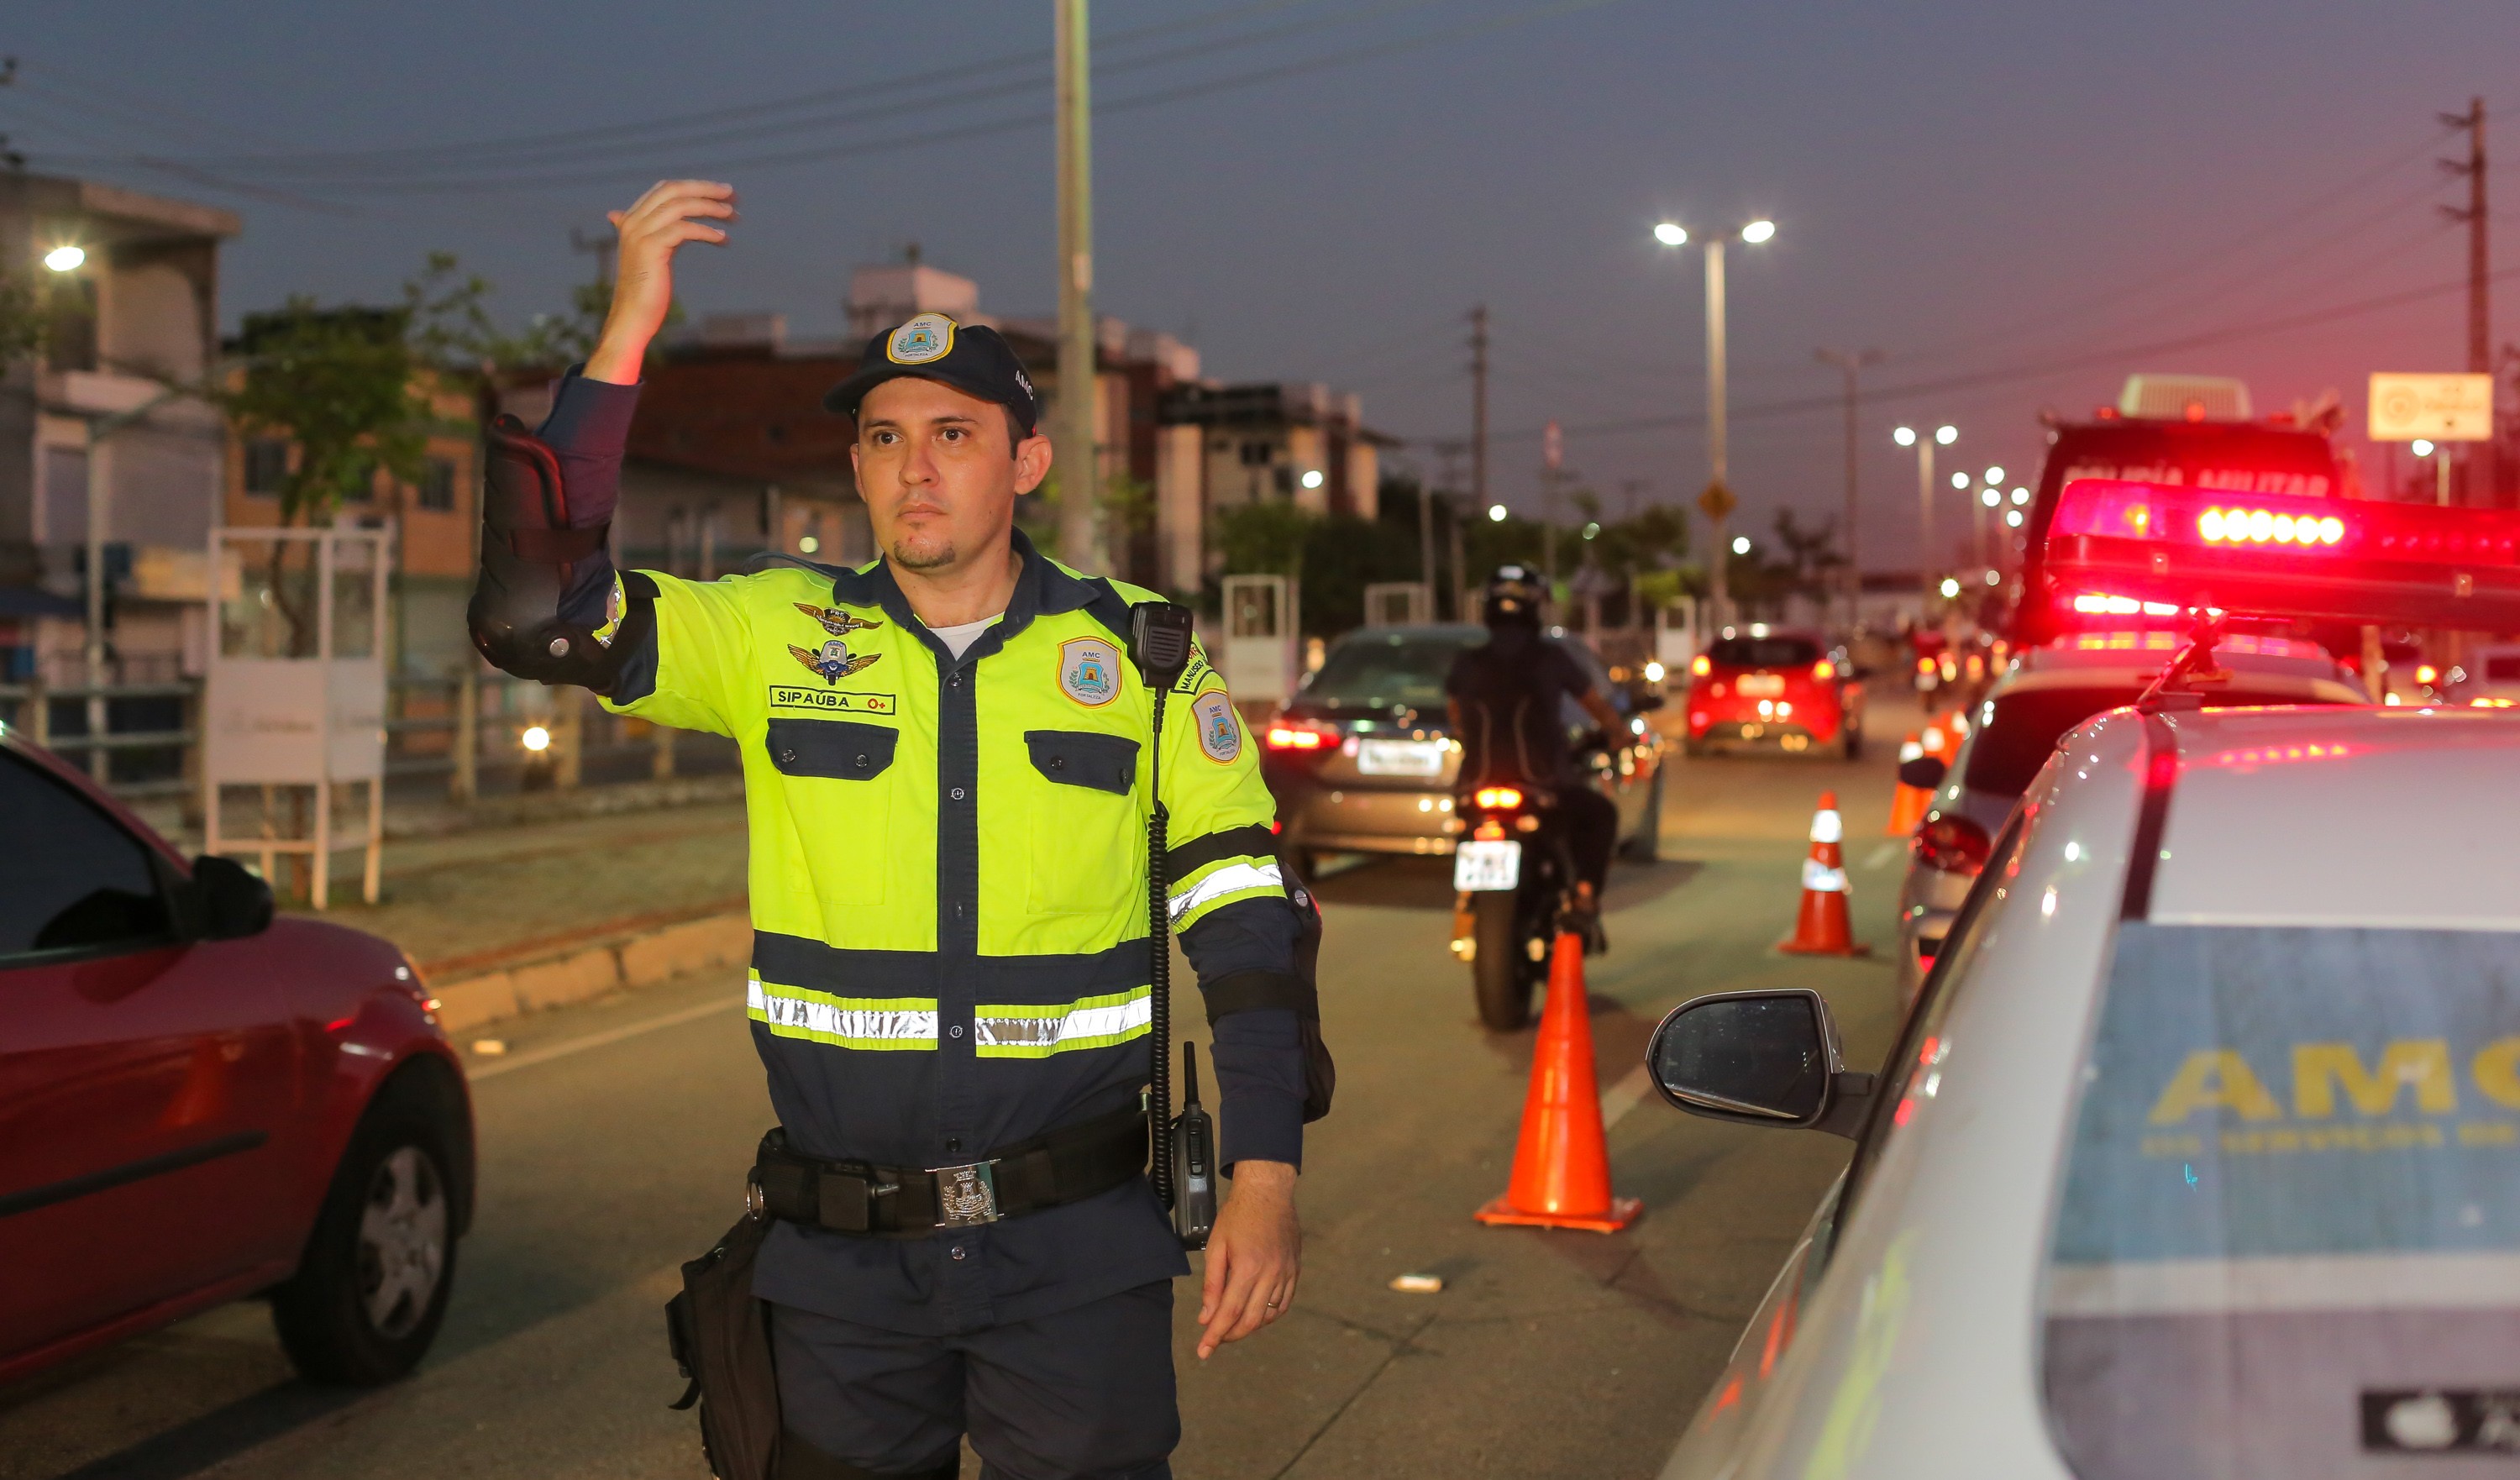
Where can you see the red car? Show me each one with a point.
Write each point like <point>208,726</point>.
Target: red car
<point>200,1102</point>
<point>1767,686</point>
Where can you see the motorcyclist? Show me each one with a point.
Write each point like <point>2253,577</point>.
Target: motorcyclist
<point>1506,700</point>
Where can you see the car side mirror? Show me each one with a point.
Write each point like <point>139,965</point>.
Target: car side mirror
<point>232,902</point>
<point>1768,1058</point>
<point>1924,773</point>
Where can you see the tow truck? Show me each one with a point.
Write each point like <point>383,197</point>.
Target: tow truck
<point>2199,1153</point>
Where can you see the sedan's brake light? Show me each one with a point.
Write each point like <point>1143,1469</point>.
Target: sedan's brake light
<point>1823,670</point>
<point>1701,665</point>
<point>1299,735</point>
<point>1951,845</point>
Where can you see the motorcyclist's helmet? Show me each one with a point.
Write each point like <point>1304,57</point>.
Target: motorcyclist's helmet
<point>1513,598</point>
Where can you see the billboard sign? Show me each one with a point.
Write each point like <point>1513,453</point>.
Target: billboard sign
<point>2439,408</point>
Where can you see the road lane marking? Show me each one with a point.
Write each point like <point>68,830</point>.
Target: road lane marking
<point>1881,856</point>
<point>1625,1096</point>
<point>533,1056</point>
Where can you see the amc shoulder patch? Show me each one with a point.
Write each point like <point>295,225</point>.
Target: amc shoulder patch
<point>1088,671</point>
<point>1220,729</point>
<point>617,604</point>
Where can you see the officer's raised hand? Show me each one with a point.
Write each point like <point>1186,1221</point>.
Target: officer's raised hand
<point>1253,1256</point>
<point>656,224</point>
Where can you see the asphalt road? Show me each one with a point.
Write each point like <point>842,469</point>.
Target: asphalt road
<point>613,1136</point>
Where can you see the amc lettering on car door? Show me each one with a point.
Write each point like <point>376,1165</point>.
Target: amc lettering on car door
<point>2289,1240</point>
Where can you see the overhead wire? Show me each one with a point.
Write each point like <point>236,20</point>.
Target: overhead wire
<point>2036,370</point>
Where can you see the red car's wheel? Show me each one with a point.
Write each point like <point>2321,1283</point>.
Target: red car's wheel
<point>367,1299</point>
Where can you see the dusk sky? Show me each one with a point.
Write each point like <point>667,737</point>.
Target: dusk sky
<point>2017,204</point>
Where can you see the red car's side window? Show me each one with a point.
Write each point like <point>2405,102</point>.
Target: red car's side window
<point>71,879</point>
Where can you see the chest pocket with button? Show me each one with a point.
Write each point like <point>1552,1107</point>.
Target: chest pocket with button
<point>834,770</point>
<point>1084,818</point>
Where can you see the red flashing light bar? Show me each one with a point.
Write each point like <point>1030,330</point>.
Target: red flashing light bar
<point>2279,554</point>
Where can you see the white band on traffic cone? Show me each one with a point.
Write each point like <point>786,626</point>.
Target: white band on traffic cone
<point>1827,826</point>
<point>1911,750</point>
<point>1820,879</point>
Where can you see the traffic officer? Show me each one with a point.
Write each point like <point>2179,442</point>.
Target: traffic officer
<point>949,892</point>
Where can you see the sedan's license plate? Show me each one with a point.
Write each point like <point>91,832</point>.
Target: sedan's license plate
<point>1400,758</point>
<point>1762,685</point>
<point>1487,866</point>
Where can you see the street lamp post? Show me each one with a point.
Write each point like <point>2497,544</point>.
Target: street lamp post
<point>1852,362</point>
<point>1908,436</point>
<point>1718,499</point>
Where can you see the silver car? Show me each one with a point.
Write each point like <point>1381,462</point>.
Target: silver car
<point>2045,693</point>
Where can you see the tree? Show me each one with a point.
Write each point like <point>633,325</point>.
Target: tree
<point>1267,537</point>
<point>22,322</point>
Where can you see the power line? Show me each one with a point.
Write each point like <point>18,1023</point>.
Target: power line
<point>2033,370</point>
<point>1031,119</point>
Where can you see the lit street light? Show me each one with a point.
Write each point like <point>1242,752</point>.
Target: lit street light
<point>1961,482</point>
<point>1496,513</point>
<point>1313,478</point>
<point>65,258</point>
<point>1672,234</point>
<point>1740,544</point>
<point>1951,588</point>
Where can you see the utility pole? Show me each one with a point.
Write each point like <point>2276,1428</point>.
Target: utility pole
<point>1072,439</point>
<point>1479,408</point>
<point>1852,362</point>
<point>1449,484</point>
<point>2480,319</point>
<point>1552,457</point>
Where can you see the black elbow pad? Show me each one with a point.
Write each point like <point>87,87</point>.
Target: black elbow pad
<point>529,558</point>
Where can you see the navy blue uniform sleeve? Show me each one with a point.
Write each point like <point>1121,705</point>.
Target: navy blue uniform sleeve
<point>588,430</point>
<point>1258,1053</point>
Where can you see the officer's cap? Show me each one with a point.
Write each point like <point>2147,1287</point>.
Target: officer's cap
<point>970,357</point>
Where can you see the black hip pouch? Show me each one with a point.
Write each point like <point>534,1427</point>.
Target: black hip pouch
<point>721,1340</point>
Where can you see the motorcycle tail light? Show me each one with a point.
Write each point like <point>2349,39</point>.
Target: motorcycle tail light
<point>1952,845</point>
<point>1498,798</point>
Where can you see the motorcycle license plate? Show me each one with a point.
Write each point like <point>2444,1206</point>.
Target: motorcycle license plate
<point>1400,758</point>
<point>1487,866</point>
<point>1762,685</point>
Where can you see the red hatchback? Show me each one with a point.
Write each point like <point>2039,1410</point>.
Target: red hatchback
<point>200,1102</point>
<point>1765,686</point>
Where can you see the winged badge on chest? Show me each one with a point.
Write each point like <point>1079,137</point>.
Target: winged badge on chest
<point>832,660</point>
<point>835,621</point>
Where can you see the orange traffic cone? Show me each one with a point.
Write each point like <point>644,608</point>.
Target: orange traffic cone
<point>1820,927</point>
<point>1907,804</point>
<point>1561,1167</point>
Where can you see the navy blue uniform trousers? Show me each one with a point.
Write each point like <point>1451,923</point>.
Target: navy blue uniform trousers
<point>1080,1394</point>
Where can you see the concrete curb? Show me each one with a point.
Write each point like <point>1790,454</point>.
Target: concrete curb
<point>638,959</point>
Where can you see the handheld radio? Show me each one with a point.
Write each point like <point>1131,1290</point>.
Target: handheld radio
<point>1159,645</point>
<point>1194,1160</point>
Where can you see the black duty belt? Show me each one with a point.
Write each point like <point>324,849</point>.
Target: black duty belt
<point>1066,1165</point>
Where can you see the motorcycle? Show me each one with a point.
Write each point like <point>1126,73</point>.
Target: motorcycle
<point>1514,876</point>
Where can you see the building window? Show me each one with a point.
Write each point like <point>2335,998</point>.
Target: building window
<point>438,485</point>
<point>266,466</point>
<point>1257,454</point>
<point>362,485</point>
